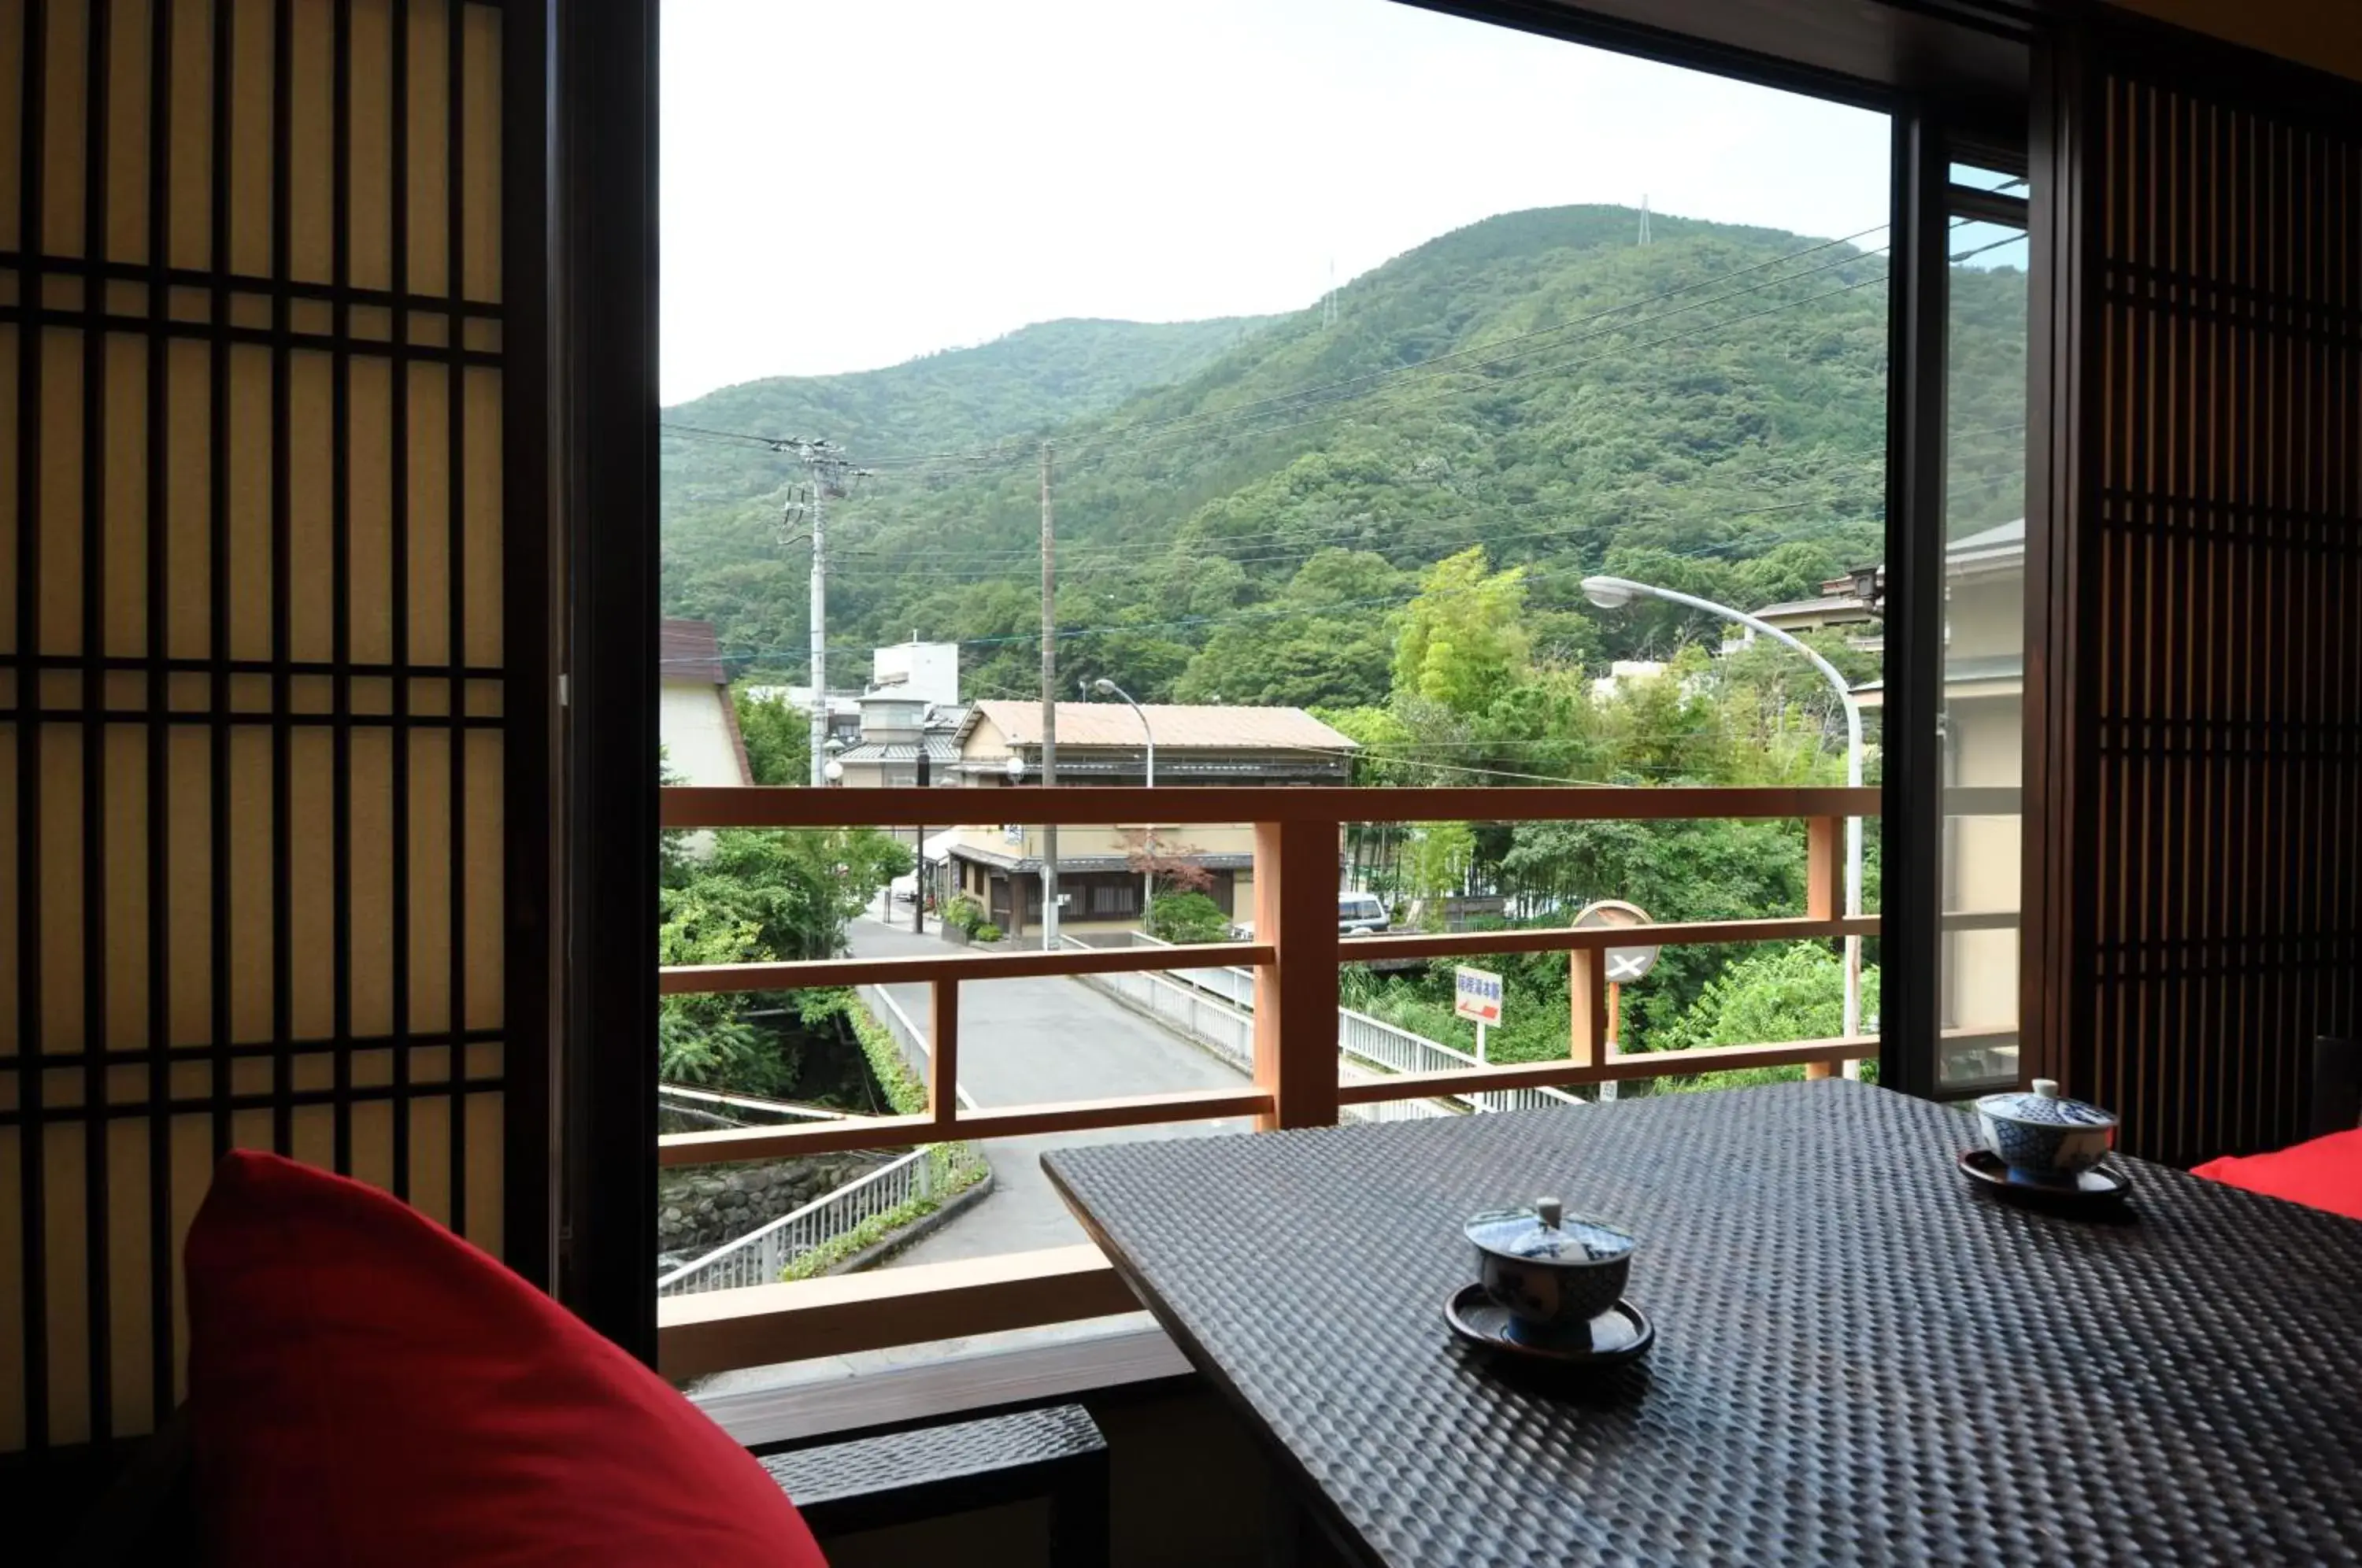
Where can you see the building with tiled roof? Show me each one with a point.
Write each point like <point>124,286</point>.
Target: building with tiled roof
<point>1100,871</point>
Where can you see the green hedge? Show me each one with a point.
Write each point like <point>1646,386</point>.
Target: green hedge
<point>956,1166</point>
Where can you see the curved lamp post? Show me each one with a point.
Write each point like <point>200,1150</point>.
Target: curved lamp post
<point>1107,687</point>
<point>1615,592</point>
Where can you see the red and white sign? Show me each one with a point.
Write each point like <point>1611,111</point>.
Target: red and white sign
<point>1476,995</point>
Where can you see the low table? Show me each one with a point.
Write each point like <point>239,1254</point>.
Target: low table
<point>1859,1356</point>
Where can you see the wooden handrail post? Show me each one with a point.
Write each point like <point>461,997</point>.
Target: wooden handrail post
<point>943,1054</point>
<point>1295,993</point>
<point>1825,869</point>
<point>1586,984</point>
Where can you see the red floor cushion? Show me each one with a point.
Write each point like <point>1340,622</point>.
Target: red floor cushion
<point>2323,1172</point>
<point>366,1389</point>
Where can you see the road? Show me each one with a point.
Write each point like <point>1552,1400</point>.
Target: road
<point>1047,1039</point>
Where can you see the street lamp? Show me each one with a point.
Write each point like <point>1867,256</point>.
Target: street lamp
<point>833,771</point>
<point>1107,687</point>
<point>1615,592</point>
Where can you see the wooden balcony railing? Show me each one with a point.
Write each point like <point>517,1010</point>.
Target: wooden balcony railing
<point>1294,960</point>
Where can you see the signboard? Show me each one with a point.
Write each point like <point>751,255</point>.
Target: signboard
<point>1476,995</point>
<point>1624,965</point>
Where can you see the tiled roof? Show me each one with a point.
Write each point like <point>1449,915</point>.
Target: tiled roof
<point>1172,724</point>
<point>686,651</point>
<point>940,748</point>
<point>1072,864</point>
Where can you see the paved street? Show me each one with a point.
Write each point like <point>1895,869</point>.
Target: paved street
<point>1023,1040</point>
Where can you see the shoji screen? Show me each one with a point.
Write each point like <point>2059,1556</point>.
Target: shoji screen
<point>252,699</point>
<point>2200,710</point>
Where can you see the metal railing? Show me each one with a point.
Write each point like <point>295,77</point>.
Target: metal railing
<point>1234,985</point>
<point>725,1109</point>
<point>1360,1037</point>
<point>762,1255</point>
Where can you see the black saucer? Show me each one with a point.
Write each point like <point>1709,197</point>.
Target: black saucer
<point>1621,1334</point>
<point>2102,1186</point>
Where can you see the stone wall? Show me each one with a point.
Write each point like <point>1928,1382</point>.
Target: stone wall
<point>700,1207</point>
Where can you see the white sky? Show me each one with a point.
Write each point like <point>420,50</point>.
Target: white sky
<point>850,184</point>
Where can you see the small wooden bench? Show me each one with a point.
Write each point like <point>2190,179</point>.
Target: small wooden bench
<point>931,1472</point>
<point>840,1487</point>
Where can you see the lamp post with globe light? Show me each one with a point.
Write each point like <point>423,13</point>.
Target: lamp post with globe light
<point>1615,592</point>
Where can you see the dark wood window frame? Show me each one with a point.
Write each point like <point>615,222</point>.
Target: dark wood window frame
<point>602,137</point>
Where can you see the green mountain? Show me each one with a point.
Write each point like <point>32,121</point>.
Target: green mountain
<point>1243,512</point>
<point>1034,379</point>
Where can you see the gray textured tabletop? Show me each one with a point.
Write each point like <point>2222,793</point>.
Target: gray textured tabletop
<point>1857,1358</point>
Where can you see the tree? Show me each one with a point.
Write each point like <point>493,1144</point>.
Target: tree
<point>757,895</point>
<point>1329,638</point>
<point>1462,644</point>
<point>1676,871</point>
<point>1436,864</point>
<point>1187,918</point>
<point>1794,990</point>
<point>778,738</point>
<point>1170,864</point>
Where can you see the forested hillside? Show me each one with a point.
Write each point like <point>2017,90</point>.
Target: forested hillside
<point>1034,379</point>
<point>1243,508</point>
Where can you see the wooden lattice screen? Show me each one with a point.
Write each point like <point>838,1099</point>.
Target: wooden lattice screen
<point>2202,703</point>
<point>251,644</point>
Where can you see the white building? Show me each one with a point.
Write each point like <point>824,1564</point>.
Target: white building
<point>928,672</point>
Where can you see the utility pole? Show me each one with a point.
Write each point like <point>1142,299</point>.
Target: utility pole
<point>828,478</point>
<point>818,633</point>
<point>1049,708</point>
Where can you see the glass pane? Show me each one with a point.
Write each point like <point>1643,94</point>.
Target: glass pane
<point>1995,179</point>
<point>1985,653</point>
<point>1327,466</point>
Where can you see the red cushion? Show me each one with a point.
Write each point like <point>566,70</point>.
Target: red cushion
<point>366,1389</point>
<point>2326,1172</point>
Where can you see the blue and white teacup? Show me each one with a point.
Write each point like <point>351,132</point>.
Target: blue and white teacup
<point>2043,1137</point>
<point>1550,1271</point>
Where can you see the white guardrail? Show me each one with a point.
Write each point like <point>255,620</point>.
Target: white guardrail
<point>760,1255</point>
<point>1215,1006</point>
<point>907,1034</point>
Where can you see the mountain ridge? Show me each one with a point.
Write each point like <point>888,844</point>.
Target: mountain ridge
<point>1707,411</point>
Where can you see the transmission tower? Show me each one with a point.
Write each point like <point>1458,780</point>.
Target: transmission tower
<point>1644,220</point>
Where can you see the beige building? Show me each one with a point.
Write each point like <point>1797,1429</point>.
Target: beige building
<point>696,720</point>
<point>1100,881</point>
<point>1983,757</point>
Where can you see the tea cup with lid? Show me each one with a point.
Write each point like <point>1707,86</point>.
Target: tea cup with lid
<point>2042,1135</point>
<point>1553,1271</point>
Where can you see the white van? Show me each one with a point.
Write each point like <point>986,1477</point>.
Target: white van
<point>1361,914</point>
